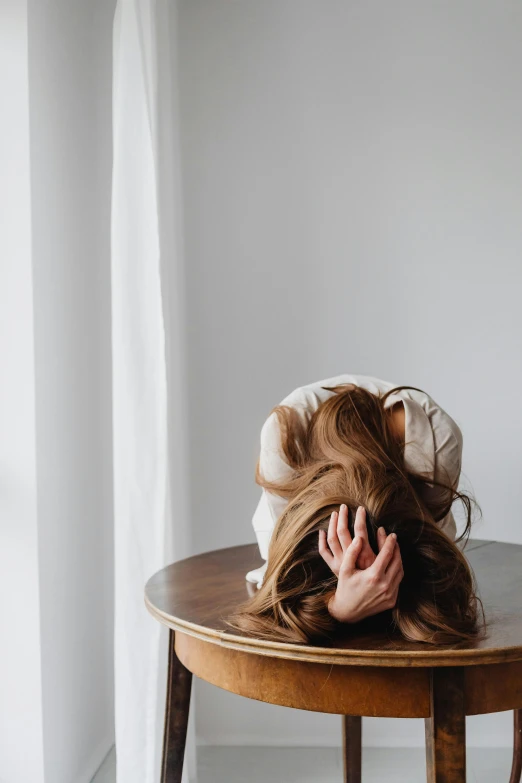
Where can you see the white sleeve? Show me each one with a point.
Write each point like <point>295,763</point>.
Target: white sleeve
<point>264,519</point>
<point>273,467</point>
<point>272,463</point>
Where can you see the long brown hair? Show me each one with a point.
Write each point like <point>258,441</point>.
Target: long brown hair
<point>348,453</point>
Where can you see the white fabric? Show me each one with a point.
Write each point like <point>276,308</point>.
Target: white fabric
<point>433,447</point>
<point>145,539</point>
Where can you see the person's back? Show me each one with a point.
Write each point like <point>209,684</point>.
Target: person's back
<point>433,444</point>
<point>358,441</point>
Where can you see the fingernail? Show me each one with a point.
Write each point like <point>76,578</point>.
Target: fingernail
<point>343,506</point>
<point>381,531</point>
<point>394,536</point>
<point>356,540</point>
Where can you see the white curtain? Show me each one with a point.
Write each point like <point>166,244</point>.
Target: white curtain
<point>149,401</point>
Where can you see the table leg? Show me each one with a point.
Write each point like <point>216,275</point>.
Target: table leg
<point>179,681</point>
<point>446,728</point>
<point>516,769</point>
<point>352,748</point>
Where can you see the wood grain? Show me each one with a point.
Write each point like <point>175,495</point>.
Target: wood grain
<point>179,681</point>
<point>195,595</point>
<point>493,688</point>
<point>446,729</point>
<point>516,769</point>
<point>352,748</point>
<point>362,673</point>
<point>318,687</point>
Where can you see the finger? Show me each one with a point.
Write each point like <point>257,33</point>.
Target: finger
<point>392,602</point>
<point>395,565</point>
<point>343,533</point>
<point>384,557</point>
<point>333,541</point>
<point>348,566</point>
<point>395,588</point>
<point>323,549</point>
<point>359,526</point>
<point>396,583</point>
<point>381,538</point>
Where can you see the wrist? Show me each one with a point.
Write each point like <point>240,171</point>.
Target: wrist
<point>330,605</point>
<point>341,616</point>
<point>333,611</point>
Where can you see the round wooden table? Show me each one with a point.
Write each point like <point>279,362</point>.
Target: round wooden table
<point>364,674</point>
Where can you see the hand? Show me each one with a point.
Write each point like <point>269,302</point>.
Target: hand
<point>339,539</point>
<point>362,593</point>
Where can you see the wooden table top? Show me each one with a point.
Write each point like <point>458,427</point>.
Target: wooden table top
<point>194,596</point>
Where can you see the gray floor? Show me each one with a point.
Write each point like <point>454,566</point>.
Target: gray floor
<point>107,772</point>
<point>323,765</point>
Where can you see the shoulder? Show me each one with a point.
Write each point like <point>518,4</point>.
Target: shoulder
<point>307,398</point>
<point>310,393</point>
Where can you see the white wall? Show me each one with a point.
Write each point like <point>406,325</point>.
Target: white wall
<point>21,744</point>
<point>70,72</point>
<point>56,573</point>
<point>353,181</point>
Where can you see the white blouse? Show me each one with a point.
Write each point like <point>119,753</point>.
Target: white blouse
<point>433,448</point>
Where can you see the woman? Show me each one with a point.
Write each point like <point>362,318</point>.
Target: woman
<point>358,478</point>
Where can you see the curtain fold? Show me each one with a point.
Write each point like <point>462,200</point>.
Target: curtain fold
<point>149,376</point>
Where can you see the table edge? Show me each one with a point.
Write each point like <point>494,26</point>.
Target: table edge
<point>391,658</point>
